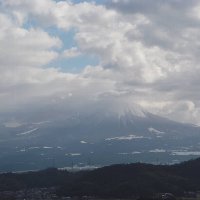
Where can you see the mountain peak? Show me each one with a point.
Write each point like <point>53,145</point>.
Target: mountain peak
<point>115,108</point>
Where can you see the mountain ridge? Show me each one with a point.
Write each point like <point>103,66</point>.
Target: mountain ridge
<point>116,181</point>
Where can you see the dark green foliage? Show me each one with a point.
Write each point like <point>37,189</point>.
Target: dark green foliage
<point>122,181</point>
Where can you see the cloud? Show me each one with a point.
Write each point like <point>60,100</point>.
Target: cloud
<point>148,55</point>
<point>71,53</point>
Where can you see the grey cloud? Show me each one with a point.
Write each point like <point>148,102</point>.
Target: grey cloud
<point>150,6</point>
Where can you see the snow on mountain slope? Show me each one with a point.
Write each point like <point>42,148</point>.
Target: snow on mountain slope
<point>28,132</point>
<point>155,131</point>
<point>129,137</point>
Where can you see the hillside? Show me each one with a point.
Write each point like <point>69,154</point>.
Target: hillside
<point>127,180</point>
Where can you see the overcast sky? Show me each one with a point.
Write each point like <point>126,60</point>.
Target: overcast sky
<point>60,54</point>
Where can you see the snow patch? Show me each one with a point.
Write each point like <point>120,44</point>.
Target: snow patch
<point>83,142</point>
<point>73,154</point>
<point>47,147</point>
<point>129,137</point>
<point>123,153</point>
<point>131,153</point>
<point>39,123</point>
<point>157,151</point>
<point>155,131</point>
<point>136,152</point>
<point>33,148</point>
<point>185,153</point>
<point>28,132</point>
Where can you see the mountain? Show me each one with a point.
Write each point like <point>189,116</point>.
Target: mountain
<point>99,134</point>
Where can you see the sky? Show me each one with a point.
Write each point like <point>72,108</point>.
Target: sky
<point>56,55</point>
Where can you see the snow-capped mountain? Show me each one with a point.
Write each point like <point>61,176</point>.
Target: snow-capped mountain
<point>107,133</point>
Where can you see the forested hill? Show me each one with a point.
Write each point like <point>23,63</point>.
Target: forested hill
<point>124,180</point>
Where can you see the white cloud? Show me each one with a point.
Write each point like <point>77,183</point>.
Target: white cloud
<point>71,53</point>
<point>148,52</point>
